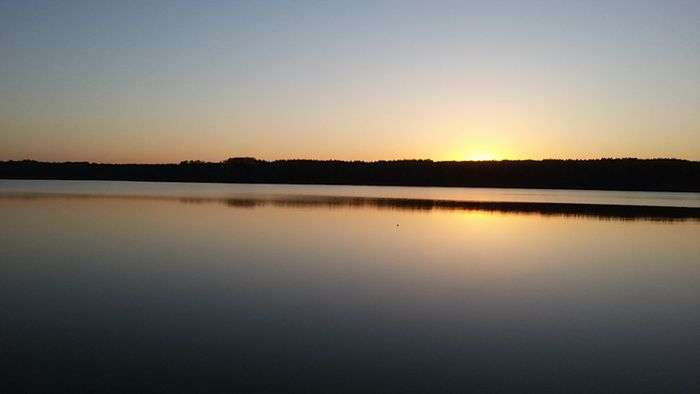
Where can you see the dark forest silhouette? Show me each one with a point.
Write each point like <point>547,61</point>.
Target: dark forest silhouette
<point>602,174</point>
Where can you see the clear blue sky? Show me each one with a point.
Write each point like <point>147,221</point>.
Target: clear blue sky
<point>146,81</point>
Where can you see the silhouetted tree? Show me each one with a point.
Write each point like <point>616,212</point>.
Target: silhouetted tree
<point>610,174</point>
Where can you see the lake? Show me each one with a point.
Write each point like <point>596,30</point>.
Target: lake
<point>160,287</point>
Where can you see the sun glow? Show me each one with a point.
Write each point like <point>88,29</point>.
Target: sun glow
<point>481,156</point>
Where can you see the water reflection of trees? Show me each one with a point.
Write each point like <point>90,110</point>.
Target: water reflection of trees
<point>600,211</point>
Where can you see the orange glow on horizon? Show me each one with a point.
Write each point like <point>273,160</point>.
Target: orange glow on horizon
<point>485,156</point>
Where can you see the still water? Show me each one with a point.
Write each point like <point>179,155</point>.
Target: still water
<point>119,286</point>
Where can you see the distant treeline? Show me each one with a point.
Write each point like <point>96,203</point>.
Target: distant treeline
<point>604,174</point>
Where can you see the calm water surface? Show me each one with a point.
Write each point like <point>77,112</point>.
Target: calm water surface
<point>218,190</point>
<point>119,286</point>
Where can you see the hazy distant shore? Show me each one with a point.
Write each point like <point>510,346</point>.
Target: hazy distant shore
<point>603,174</point>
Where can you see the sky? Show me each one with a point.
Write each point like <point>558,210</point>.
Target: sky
<point>149,81</point>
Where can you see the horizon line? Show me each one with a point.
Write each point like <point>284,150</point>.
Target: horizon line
<point>252,158</point>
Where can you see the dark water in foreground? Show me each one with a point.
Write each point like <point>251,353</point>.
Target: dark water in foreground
<point>139,288</point>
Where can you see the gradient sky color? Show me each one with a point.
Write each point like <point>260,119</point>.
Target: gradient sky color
<point>146,81</point>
